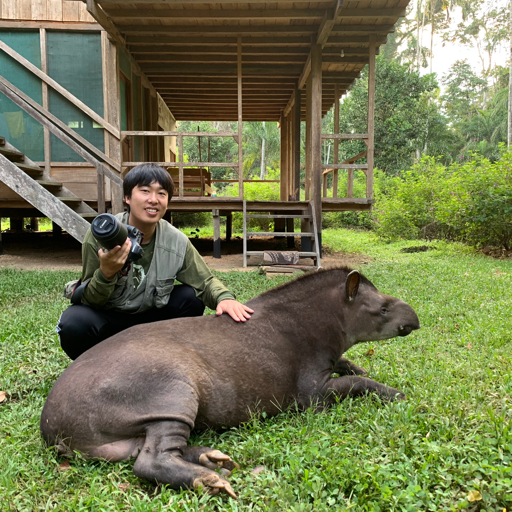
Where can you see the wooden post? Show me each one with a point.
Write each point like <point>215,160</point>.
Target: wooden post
<point>112,112</point>
<point>46,104</point>
<point>216,234</point>
<point>229,224</point>
<point>296,145</point>
<point>371,118</point>
<point>180,165</point>
<point>240,121</point>
<point>335,159</point>
<point>307,178</point>
<point>316,136</point>
<point>284,158</point>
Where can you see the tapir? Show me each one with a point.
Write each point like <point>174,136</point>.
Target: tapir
<point>141,392</point>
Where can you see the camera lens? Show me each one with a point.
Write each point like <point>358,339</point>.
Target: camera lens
<point>108,231</point>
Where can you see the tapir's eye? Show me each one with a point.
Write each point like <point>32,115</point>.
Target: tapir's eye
<point>384,310</point>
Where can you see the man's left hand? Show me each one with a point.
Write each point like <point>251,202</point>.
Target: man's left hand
<point>237,311</point>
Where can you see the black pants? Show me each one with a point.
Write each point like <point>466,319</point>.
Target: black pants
<point>81,327</point>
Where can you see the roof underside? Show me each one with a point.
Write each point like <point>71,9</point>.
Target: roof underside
<point>188,50</point>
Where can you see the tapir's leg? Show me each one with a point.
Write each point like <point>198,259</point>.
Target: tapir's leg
<point>209,458</point>
<point>161,460</point>
<point>352,385</point>
<point>346,367</point>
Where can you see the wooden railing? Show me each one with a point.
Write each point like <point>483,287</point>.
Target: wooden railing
<point>66,134</point>
<point>348,164</point>
<point>180,164</point>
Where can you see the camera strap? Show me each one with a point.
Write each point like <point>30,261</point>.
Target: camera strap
<point>76,296</point>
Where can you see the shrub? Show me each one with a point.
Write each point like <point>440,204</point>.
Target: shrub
<point>477,201</point>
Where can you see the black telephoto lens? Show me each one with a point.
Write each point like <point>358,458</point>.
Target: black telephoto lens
<point>108,231</point>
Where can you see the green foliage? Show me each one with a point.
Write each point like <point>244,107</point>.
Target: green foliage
<point>449,438</point>
<point>262,191</point>
<point>470,202</point>
<point>407,118</point>
<point>477,201</point>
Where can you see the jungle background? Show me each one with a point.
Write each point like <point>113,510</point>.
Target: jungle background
<point>442,169</point>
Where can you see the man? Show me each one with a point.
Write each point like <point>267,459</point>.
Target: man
<point>114,297</point>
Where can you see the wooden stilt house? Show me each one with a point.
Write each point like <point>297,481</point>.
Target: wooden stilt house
<point>89,89</point>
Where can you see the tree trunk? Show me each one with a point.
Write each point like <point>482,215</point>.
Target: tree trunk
<point>262,165</point>
<point>509,137</point>
<point>432,34</point>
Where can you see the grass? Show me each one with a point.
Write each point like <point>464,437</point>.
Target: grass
<point>450,441</point>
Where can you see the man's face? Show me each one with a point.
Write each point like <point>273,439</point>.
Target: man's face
<point>148,204</point>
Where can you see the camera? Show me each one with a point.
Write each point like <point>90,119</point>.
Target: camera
<point>109,232</point>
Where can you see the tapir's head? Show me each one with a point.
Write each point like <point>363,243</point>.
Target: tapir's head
<point>372,315</point>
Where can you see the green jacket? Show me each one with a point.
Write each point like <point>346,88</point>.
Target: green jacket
<point>174,258</point>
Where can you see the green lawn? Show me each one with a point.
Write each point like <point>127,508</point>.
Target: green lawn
<point>452,438</point>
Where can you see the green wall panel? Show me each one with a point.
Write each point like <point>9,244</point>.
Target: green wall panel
<point>74,61</point>
<point>20,129</point>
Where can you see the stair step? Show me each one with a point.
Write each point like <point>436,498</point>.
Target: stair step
<point>89,216</point>
<point>261,216</point>
<point>301,254</point>
<point>250,234</point>
<point>55,185</point>
<point>12,154</point>
<point>70,200</point>
<point>31,170</point>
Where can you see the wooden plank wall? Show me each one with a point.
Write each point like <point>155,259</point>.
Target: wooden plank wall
<point>45,10</point>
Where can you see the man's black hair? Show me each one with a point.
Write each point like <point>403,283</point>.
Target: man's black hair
<point>145,174</point>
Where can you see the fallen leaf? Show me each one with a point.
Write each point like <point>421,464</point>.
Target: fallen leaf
<point>124,486</point>
<point>370,352</point>
<point>474,496</point>
<point>64,466</point>
<point>257,470</point>
<point>3,396</point>
<point>470,346</point>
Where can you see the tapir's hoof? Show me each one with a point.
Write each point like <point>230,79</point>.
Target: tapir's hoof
<point>216,459</point>
<point>214,484</point>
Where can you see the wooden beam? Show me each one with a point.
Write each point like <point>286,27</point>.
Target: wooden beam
<point>240,120</point>
<point>246,30</point>
<point>387,12</point>
<point>213,70</point>
<point>295,192</point>
<point>371,118</point>
<point>336,141</point>
<point>51,25</point>
<point>218,14</point>
<point>327,23</point>
<point>164,49</point>
<point>45,98</point>
<point>220,40</point>
<point>362,29</point>
<point>42,199</point>
<point>52,83</point>
<point>316,135</point>
<point>218,58</point>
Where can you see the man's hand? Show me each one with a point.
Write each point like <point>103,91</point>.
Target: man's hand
<point>234,309</point>
<point>113,261</point>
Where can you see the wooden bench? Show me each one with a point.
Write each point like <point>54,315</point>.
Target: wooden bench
<point>196,181</point>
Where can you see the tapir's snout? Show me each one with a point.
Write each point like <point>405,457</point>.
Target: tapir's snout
<point>413,323</point>
<point>404,330</point>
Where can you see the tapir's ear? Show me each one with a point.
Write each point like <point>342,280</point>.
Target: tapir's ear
<point>352,284</point>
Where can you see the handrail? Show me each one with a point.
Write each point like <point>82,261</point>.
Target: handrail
<point>52,83</point>
<point>60,124</point>
<point>180,164</point>
<point>101,169</point>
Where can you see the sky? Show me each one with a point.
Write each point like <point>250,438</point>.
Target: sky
<point>445,56</point>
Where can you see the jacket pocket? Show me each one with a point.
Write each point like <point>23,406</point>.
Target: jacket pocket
<point>163,291</point>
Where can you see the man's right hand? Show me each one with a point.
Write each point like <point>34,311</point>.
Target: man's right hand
<point>113,261</point>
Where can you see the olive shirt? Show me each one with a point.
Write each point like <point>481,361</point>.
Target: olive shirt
<point>193,272</point>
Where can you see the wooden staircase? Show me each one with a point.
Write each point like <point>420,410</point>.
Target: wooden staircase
<point>43,192</point>
<point>309,237</point>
